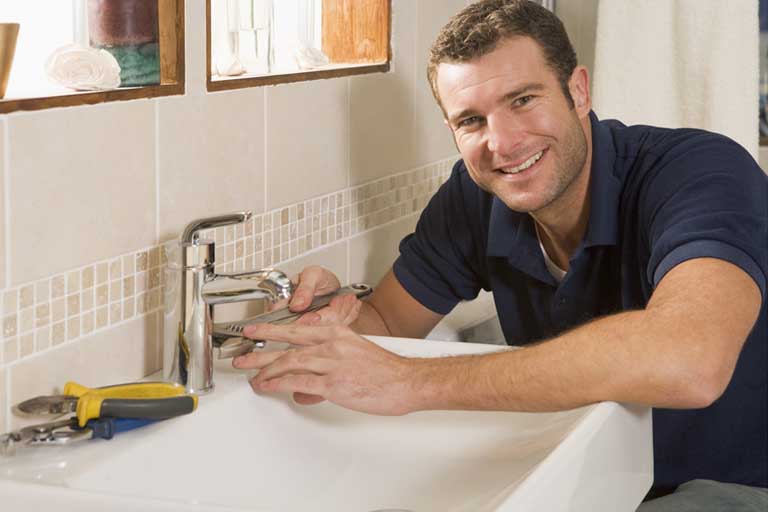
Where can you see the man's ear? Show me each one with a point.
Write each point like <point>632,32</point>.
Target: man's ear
<point>578,85</point>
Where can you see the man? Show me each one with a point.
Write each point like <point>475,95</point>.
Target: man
<point>630,262</point>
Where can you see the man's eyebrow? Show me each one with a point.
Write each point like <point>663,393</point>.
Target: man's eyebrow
<point>534,86</point>
<point>468,112</point>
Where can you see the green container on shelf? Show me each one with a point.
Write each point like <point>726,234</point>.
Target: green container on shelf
<point>128,29</point>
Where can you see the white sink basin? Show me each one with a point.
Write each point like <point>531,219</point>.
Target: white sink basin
<point>241,451</point>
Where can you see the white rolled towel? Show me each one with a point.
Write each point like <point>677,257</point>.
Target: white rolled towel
<point>308,57</point>
<point>83,69</point>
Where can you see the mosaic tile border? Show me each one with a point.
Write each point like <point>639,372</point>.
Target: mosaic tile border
<point>66,307</point>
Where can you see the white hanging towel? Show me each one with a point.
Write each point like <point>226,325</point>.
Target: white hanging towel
<point>679,63</point>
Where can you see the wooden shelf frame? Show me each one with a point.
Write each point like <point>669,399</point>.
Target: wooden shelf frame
<point>171,21</point>
<point>369,18</point>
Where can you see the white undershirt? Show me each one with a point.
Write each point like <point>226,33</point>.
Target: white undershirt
<point>556,271</point>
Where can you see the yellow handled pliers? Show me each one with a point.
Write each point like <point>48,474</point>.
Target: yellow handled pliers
<point>146,400</point>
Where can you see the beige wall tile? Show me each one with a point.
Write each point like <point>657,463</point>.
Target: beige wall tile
<point>381,106</point>
<point>333,257</point>
<point>372,254</point>
<point>307,140</point>
<point>82,186</point>
<point>3,406</point>
<point>431,137</point>
<point>123,354</point>
<point>4,248</point>
<point>211,157</point>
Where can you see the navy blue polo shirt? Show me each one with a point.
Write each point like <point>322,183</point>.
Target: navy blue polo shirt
<point>658,197</point>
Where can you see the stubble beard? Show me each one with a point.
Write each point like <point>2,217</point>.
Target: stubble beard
<point>572,165</point>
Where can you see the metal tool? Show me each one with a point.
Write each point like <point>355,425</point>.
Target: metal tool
<point>229,337</point>
<point>145,400</point>
<point>64,432</point>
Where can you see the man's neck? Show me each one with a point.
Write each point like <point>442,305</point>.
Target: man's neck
<point>562,237</point>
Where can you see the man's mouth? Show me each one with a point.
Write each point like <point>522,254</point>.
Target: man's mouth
<point>523,166</point>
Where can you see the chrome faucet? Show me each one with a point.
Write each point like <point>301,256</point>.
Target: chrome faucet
<point>192,289</point>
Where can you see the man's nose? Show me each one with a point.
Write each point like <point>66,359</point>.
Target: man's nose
<point>504,135</point>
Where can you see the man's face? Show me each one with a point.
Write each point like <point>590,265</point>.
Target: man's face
<point>514,127</point>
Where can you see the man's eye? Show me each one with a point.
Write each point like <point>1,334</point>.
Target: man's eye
<point>523,100</point>
<point>467,122</point>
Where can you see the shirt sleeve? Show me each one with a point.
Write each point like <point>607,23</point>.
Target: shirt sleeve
<point>709,199</point>
<point>440,264</point>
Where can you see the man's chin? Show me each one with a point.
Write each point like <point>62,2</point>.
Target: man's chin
<point>522,204</point>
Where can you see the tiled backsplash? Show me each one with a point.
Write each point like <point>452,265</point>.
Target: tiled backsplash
<point>68,306</point>
<point>337,171</point>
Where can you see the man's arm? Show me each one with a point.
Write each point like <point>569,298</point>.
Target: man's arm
<point>679,352</point>
<point>391,311</point>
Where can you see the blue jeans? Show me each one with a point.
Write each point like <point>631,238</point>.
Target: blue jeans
<point>710,496</point>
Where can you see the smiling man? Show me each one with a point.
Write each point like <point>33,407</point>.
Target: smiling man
<point>629,262</point>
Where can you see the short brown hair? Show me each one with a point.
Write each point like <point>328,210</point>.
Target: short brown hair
<point>477,29</point>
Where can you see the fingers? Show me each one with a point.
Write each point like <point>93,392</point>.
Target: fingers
<point>294,334</point>
<point>311,318</point>
<point>305,399</point>
<point>342,310</point>
<point>295,362</point>
<point>312,281</point>
<point>346,308</point>
<point>256,360</point>
<point>307,384</point>
<point>259,360</point>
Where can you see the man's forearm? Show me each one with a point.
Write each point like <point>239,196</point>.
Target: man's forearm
<point>679,352</point>
<point>370,322</point>
<point>391,311</point>
<point>570,371</point>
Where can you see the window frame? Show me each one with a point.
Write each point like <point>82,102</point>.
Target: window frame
<point>341,70</point>
<point>171,21</point>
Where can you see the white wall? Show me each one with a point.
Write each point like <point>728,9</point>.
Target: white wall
<point>763,158</point>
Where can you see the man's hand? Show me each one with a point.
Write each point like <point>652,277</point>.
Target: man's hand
<point>312,281</point>
<point>330,363</point>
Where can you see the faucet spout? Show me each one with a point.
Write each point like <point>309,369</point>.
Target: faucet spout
<point>262,284</point>
<point>190,234</point>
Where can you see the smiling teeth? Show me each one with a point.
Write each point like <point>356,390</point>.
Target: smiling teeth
<point>523,166</point>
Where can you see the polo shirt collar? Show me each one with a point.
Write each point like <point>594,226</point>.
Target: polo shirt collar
<point>604,188</point>
<point>512,234</point>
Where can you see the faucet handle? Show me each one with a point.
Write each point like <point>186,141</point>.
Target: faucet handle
<point>268,283</point>
<point>190,234</point>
